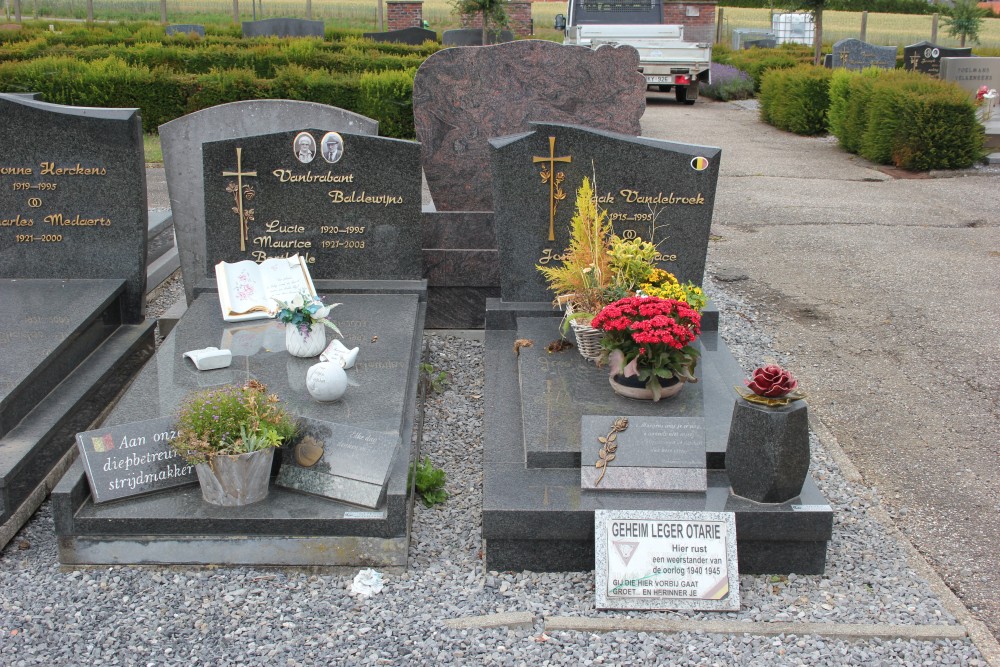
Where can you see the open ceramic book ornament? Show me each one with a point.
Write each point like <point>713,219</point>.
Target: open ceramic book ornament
<point>250,291</point>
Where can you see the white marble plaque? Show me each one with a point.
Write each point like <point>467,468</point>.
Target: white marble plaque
<point>666,560</point>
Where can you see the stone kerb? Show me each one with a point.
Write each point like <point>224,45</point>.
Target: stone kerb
<point>182,141</point>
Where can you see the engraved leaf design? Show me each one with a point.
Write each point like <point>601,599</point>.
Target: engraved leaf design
<point>599,464</point>
<point>612,437</point>
<point>611,457</point>
<point>601,439</point>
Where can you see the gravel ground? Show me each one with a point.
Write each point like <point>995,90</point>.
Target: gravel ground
<point>247,616</point>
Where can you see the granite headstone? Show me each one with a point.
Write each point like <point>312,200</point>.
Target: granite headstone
<point>413,36</point>
<point>651,454</point>
<point>182,141</point>
<point>972,73</point>
<point>283,27</point>
<point>463,97</point>
<point>73,195</point>
<point>474,37</point>
<point>853,54</point>
<point>661,191</point>
<point>132,459</point>
<point>926,57</point>
<point>348,203</point>
<point>352,466</point>
<point>186,29</point>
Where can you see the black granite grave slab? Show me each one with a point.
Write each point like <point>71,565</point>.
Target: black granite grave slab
<point>460,265</point>
<point>926,57</point>
<point>288,528</point>
<point>853,54</point>
<point>556,389</point>
<point>49,328</point>
<point>661,191</point>
<point>356,216</point>
<point>66,357</point>
<point>73,195</point>
<point>283,27</point>
<point>413,36</point>
<point>540,518</point>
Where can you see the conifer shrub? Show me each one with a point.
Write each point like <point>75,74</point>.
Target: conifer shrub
<point>796,99</point>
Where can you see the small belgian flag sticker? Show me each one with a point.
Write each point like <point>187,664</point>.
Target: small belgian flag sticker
<point>699,163</point>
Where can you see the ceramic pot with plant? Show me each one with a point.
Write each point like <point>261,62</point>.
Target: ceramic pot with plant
<point>305,316</point>
<point>767,456</point>
<point>647,343</point>
<point>229,434</point>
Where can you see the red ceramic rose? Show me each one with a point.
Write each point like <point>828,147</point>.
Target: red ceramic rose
<point>772,382</point>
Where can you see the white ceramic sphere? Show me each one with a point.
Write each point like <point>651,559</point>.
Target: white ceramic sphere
<point>326,381</point>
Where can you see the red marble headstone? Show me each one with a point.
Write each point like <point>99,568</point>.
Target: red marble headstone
<point>464,96</point>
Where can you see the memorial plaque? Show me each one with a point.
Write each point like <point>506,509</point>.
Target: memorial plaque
<point>661,191</point>
<point>73,195</point>
<point>340,462</point>
<point>666,560</point>
<point>349,204</point>
<point>926,57</point>
<point>853,54</point>
<point>133,459</point>
<point>651,454</point>
<point>972,73</point>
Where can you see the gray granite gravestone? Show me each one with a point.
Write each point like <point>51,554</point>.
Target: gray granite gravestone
<point>853,54</point>
<point>354,465</point>
<point>661,191</point>
<point>926,57</point>
<point>132,459</point>
<point>73,195</point>
<point>185,29</point>
<point>653,454</point>
<point>413,36</point>
<point>463,97</point>
<point>828,61</point>
<point>283,27</point>
<point>972,73</point>
<point>182,141</point>
<point>353,214</point>
<point>767,43</point>
<point>474,37</point>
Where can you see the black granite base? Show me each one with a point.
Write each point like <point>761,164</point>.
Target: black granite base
<point>74,367</point>
<point>537,517</point>
<point>288,528</point>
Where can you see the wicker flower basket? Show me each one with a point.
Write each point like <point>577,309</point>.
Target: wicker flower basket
<point>588,339</point>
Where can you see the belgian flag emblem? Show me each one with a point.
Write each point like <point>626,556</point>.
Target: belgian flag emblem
<point>699,163</point>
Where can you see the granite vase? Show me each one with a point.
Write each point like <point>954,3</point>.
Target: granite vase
<point>633,387</point>
<point>237,480</point>
<point>767,457</point>
<point>307,343</point>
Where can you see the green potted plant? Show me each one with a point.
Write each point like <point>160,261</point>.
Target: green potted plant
<point>301,314</point>
<point>647,344</point>
<point>229,434</point>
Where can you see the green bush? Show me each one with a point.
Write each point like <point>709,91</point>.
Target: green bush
<point>796,99</point>
<point>905,118</point>
<point>221,86</point>
<point>388,96</point>
<point>756,62</point>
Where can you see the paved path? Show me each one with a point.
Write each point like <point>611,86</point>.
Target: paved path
<point>888,294</point>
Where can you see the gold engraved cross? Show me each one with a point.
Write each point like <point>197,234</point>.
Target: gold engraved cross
<point>551,178</point>
<point>239,174</point>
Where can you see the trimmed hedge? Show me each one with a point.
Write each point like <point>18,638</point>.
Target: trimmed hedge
<point>136,65</point>
<point>906,119</point>
<point>796,99</point>
<point>894,117</point>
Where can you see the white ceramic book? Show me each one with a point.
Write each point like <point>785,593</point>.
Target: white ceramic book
<point>251,291</point>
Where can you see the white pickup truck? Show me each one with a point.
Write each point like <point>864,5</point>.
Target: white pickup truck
<point>666,59</point>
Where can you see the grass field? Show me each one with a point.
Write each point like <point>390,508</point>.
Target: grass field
<point>890,29</point>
